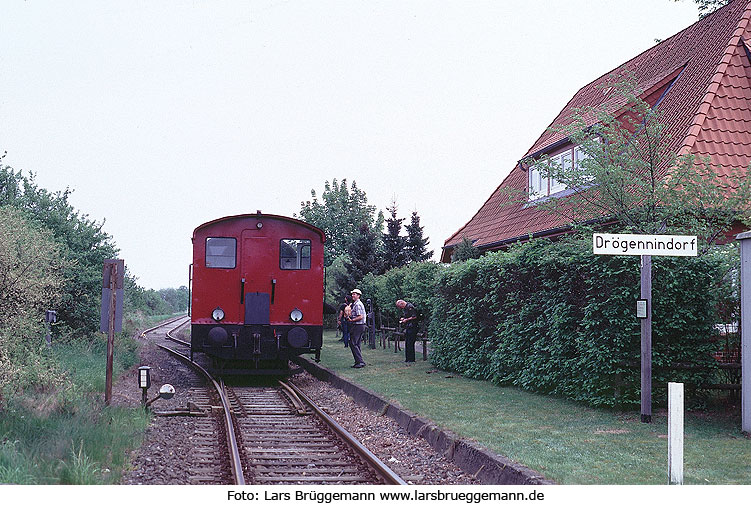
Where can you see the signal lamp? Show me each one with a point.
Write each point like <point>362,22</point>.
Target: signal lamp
<point>217,314</point>
<point>144,381</point>
<point>295,315</point>
<point>144,377</point>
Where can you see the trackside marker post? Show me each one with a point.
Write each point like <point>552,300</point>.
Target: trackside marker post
<point>675,433</point>
<point>112,314</point>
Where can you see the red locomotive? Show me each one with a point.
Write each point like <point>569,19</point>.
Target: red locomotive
<point>257,292</point>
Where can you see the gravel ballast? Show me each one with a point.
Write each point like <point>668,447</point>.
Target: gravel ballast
<point>165,454</point>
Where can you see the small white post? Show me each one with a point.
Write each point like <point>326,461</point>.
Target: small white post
<point>675,433</point>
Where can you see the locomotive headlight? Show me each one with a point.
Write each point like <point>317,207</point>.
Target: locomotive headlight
<point>296,315</point>
<point>217,314</point>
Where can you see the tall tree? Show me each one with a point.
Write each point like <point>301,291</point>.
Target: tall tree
<point>393,254</point>
<point>83,243</point>
<point>340,213</point>
<point>363,259</point>
<point>416,247</point>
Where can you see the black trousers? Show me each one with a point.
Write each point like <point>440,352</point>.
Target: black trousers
<point>410,337</point>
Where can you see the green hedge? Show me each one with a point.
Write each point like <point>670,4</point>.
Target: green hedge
<point>555,319</point>
<point>413,282</point>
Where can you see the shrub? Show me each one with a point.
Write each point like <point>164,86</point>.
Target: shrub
<point>413,282</point>
<point>555,319</point>
<point>31,278</point>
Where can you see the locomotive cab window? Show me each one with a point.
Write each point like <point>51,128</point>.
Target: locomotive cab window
<point>294,254</point>
<point>221,252</point>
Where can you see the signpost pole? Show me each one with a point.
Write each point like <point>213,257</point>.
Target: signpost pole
<point>645,246</point>
<point>646,340</point>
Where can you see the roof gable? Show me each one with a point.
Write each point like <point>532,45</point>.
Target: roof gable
<point>721,130</point>
<point>699,77</point>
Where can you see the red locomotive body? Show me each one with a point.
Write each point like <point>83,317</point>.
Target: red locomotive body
<point>257,292</point>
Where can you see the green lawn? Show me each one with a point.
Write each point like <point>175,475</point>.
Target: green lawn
<point>66,435</point>
<point>567,442</point>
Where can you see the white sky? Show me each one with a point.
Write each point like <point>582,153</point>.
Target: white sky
<point>163,115</point>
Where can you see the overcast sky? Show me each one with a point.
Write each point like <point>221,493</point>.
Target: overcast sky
<point>163,115</point>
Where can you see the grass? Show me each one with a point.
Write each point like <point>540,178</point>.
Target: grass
<point>66,435</point>
<point>565,441</point>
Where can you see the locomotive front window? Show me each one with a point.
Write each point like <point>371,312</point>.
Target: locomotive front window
<point>294,254</point>
<point>221,252</point>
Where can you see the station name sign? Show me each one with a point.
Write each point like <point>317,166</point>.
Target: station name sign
<point>634,244</point>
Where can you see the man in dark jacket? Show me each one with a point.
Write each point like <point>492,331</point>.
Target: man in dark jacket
<point>409,322</point>
<point>341,319</point>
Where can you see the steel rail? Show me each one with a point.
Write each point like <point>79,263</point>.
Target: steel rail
<point>381,469</point>
<point>293,396</point>
<point>234,451</point>
<point>161,325</point>
<point>169,335</point>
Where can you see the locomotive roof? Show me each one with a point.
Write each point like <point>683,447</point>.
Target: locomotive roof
<point>260,215</point>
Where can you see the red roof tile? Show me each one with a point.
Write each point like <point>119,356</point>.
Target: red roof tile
<point>706,111</point>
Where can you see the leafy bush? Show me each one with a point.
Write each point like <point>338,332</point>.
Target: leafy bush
<point>413,282</point>
<point>83,245</point>
<point>31,278</point>
<point>555,319</point>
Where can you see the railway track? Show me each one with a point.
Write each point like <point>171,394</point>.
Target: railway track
<point>276,435</point>
<point>168,325</point>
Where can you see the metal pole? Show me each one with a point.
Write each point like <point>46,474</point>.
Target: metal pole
<point>646,340</point>
<point>745,325</point>
<point>110,336</point>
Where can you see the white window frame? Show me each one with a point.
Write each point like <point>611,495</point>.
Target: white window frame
<point>538,184</point>
<point>564,160</point>
<point>541,187</point>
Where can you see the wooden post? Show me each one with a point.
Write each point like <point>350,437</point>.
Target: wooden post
<point>110,336</point>
<point>646,340</point>
<point>745,239</point>
<point>675,433</point>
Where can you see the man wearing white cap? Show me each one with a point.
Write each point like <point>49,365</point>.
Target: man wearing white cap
<point>357,328</point>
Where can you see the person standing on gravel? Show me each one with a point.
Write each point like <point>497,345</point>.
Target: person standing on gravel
<point>357,328</point>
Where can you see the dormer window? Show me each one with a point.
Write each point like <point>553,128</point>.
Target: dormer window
<point>541,177</point>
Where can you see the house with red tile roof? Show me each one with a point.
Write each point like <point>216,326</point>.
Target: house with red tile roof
<point>699,79</point>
